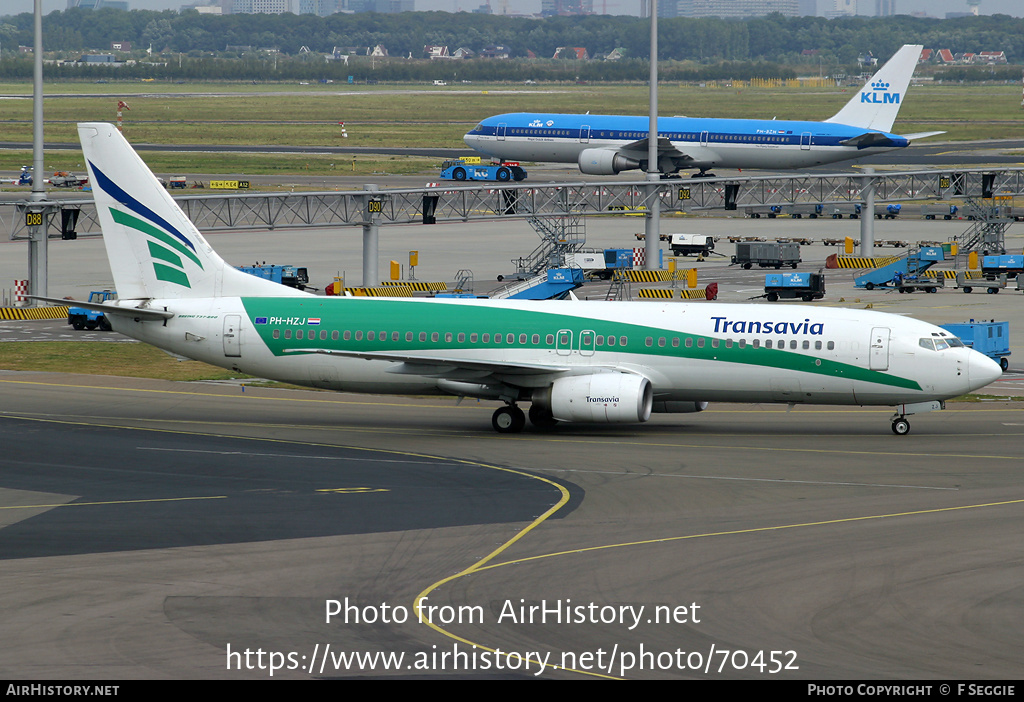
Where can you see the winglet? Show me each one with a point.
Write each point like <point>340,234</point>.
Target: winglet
<point>876,105</point>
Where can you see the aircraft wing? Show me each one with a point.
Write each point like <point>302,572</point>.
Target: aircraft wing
<point>442,366</point>
<point>114,310</point>
<point>638,150</point>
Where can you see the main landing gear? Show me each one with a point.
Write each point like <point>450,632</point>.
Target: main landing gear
<point>900,426</point>
<point>511,420</point>
<point>703,174</point>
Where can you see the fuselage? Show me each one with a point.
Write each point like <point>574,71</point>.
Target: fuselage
<point>689,352</point>
<point>705,143</point>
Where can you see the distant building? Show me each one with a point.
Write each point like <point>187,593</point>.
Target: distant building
<point>98,4</point>
<point>563,8</point>
<point>120,46</point>
<point>885,8</point>
<point>842,8</point>
<point>495,52</point>
<point>735,9</point>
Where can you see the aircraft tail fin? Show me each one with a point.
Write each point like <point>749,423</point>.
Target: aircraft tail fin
<point>876,105</point>
<point>154,249</point>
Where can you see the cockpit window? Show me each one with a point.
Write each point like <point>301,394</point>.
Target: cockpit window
<point>940,344</point>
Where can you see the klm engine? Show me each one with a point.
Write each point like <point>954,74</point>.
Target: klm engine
<point>604,162</point>
<point>602,397</point>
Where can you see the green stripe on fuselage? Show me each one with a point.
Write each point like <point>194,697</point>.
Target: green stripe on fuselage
<point>394,315</point>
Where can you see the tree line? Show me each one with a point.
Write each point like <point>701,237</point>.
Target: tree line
<point>692,49</point>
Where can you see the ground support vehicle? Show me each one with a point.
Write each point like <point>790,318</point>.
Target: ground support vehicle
<point>806,286</point>
<point>935,211</point>
<point>969,284</point>
<point>292,276</point>
<point>457,169</point>
<point>907,268</point>
<point>766,255</point>
<point>891,211</point>
<point>912,283</point>
<point>839,211</point>
<point>80,318</point>
<point>758,211</point>
<point>596,263</point>
<point>63,179</point>
<point>993,266</point>
<point>990,338</point>
<point>177,183</point>
<point>686,244</point>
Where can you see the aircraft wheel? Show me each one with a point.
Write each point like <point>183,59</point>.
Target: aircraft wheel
<point>541,418</point>
<point>900,426</point>
<point>504,174</point>
<point>508,420</point>
<point>459,174</point>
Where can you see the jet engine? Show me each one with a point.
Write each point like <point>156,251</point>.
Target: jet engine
<point>604,162</point>
<point>601,397</point>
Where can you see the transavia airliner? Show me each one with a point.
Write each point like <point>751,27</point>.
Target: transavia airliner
<point>572,361</point>
<point>610,144</point>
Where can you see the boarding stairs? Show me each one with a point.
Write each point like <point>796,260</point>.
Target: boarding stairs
<point>918,260</point>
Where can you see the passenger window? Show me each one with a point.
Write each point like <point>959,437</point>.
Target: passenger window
<point>661,341</point>
<point>487,338</point>
<point>323,335</point>
<point>831,345</point>
<point>689,342</point>
<point>434,336</point>
<point>423,336</point>
<point>287,333</point>
<point>535,339</point>
<point>334,335</point>
<point>370,336</point>
<point>298,334</point>
<point>549,339</point>
<point>277,334</point>
<point>611,341</point>
<point>700,343</point>
<point>649,341</point>
<point>474,337</point>
<point>623,340</point>
<point>448,337</point>
<point>462,338</point>
<point>348,335</point>
<point>806,345</point>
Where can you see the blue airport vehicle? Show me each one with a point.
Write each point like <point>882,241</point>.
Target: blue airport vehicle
<point>806,286</point>
<point>25,177</point>
<point>990,338</point>
<point>292,276</point>
<point>80,318</point>
<point>992,266</point>
<point>907,268</point>
<point>458,169</point>
<point>555,286</point>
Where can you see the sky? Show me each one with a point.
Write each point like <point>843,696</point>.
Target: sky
<point>936,8</point>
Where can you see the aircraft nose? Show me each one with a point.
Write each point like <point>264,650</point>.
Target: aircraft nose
<point>982,370</point>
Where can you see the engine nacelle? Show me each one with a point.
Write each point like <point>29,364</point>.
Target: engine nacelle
<point>601,397</point>
<point>604,162</point>
<point>678,407</point>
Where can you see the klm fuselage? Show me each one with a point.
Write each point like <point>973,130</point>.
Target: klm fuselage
<point>707,143</point>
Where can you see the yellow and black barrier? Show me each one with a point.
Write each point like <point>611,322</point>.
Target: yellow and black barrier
<point>383,291</point>
<point>33,312</point>
<point>951,275</point>
<point>861,262</point>
<point>647,276</point>
<point>656,293</point>
<point>419,286</point>
<point>694,294</point>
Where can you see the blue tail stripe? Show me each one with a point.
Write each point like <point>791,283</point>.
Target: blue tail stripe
<point>115,191</point>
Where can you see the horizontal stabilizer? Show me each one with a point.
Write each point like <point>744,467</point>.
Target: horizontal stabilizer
<point>133,312</point>
<point>920,135</point>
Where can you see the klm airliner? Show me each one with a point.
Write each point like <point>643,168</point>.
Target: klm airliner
<point>572,361</point>
<point>610,144</point>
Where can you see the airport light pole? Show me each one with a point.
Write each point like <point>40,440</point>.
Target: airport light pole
<point>38,208</point>
<point>652,223</point>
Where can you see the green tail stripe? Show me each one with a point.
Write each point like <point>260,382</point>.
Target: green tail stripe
<point>170,275</point>
<point>147,228</point>
<point>163,254</point>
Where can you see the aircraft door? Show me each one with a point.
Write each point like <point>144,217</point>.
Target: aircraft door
<point>232,335</point>
<point>585,134</point>
<point>587,342</point>
<point>879,358</point>
<point>805,141</point>
<point>563,342</point>
<point>703,138</point>
<point>500,132</point>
